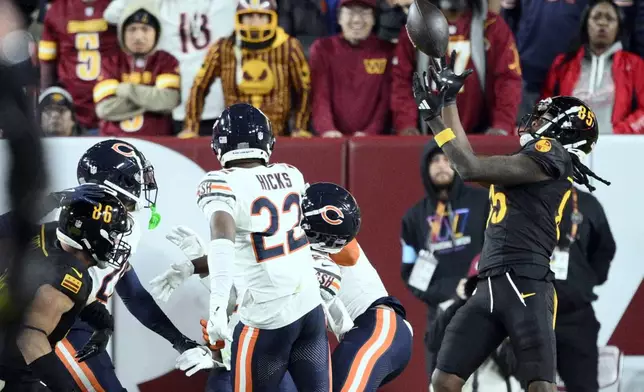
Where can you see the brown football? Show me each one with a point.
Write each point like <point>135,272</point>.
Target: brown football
<point>427,28</point>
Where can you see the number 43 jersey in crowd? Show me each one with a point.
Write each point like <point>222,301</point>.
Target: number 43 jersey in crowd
<point>272,255</point>
<point>523,225</point>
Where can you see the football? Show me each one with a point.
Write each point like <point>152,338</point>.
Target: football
<point>427,28</point>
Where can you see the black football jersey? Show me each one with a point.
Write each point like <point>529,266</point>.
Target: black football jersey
<point>523,225</point>
<point>47,263</point>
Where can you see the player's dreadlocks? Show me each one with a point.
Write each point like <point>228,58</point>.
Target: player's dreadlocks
<point>581,172</point>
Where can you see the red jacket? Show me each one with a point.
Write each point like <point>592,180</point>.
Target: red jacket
<point>497,108</point>
<point>628,77</point>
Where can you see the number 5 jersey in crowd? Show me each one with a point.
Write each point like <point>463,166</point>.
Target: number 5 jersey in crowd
<point>272,256</point>
<point>77,39</point>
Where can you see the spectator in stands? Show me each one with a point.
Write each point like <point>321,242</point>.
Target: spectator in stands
<point>260,64</point>
<point>543,30</point>
<point>392,19</point>
<point>441,233</point>
<point>601,73</point>
<point>75,41</point>
<point>56,112</point>
<point>350,75</point>
<point>139,87</point>
<point>306,20</point>
<point>483,42</point>
<point>199,23</point>
<point>580,262</point>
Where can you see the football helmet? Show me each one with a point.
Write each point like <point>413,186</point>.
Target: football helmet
<point>242,132</point>
<point>566,119</point>
<point>94,220</point>
<point>331,216</point>
<point>256,34</point>
<point>119,165</point>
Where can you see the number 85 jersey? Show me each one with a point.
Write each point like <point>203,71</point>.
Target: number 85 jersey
<point>272,256</point>
<point>523,225</point>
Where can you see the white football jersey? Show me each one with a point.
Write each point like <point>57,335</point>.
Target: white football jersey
<point>104,280</point>
<point>361,284</point>
<point>272,255</point>
<point>188,28</point>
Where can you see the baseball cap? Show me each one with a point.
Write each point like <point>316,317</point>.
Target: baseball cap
<point>55,96</point>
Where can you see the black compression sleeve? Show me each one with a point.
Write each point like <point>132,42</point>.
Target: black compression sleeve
<point>52,372</point>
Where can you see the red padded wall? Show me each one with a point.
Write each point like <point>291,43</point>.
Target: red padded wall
<point>318,159</point>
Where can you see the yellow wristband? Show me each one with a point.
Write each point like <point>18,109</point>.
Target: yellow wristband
<point>444,136</point>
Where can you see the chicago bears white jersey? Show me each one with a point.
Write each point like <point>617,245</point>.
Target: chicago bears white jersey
<point>104,280</point>
<point>361,284</point>
<point>272,255</point>
<point>188,29</point>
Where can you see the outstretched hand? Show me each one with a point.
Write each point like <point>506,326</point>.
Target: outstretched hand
<point>430,102</point>
<point>446,79</point>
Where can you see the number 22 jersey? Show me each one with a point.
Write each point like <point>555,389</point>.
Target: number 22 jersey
<point>272,256</point>
<point>523,225</point>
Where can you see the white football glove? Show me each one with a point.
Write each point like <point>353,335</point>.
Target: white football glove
<point>192,247</point>
<point>217,327</point>
<point>164,285</point>
<point>188,241</point>
<point>195,359</point>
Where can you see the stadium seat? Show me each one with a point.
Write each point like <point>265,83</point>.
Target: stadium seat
<point>609,370</point>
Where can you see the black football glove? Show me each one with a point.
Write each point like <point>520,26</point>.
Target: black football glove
<point>89,194</point>
<point>447,80</point>
<point>95,345</point>
<point>430,103</point>
<point>184,344</point>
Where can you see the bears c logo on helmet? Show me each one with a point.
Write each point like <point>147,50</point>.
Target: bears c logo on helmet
<point>123,149</point>
<point>324,211</point>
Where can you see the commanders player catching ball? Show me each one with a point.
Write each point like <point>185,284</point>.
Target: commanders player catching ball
<point>514,296</point>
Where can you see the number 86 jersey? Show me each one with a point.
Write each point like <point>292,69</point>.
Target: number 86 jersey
<point>272,256</point>
<point>523,225</point>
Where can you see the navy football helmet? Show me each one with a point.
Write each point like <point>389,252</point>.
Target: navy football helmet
<point>242,132</point>
<point>120,166</point>
<point>94,220</point>
<point>331,216</point>
<point>566,119</point>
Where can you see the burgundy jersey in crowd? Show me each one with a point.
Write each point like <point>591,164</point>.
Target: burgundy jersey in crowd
<point>78,39</point>
<point>160,70</point>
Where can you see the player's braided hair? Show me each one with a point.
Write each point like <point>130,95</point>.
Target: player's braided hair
<point>581,172</point>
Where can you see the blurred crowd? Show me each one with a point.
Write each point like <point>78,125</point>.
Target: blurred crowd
<point>327,68</point>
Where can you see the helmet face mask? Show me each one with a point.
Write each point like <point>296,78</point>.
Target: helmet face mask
<point>242,132</point>
<point>255,34</point>
<point>331,217</point>
<point>120,166</point>
<point>96,222</point>
<point>565,119</point>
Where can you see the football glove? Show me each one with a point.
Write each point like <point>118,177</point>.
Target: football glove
<point>188,241</point>
<point>195,359</point>
<point>164,285</point>
<point>429,102</point>
<point>95,345</point>
<point>447,80</point>
<point>204,331</point>
<point>217,326</point>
